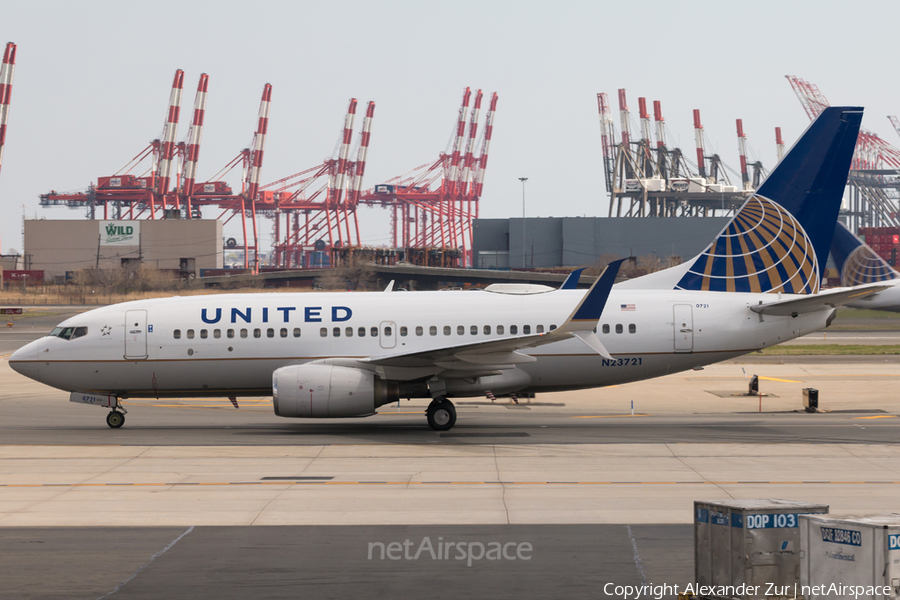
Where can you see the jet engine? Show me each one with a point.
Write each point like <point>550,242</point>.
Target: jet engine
<point>328,391</point>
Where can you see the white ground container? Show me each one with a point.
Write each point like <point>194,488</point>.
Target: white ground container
<point>751,543</point>
<point>850,557</point>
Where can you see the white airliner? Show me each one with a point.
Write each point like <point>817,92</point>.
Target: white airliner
<point>858,264</point>
<point>345,354</point>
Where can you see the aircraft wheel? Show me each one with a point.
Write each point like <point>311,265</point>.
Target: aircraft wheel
<point>441,415</point>
<point>115,419</point>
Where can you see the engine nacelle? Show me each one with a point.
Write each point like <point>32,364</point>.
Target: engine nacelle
<point>327,391</point>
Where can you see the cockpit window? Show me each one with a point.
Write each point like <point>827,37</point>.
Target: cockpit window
<point>69,333</point>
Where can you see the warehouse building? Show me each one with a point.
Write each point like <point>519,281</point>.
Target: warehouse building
<point>61,246</point>
<point>579,241</point>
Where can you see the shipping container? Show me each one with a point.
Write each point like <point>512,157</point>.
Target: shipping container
<point>752,542</point>
<point>850,551</point>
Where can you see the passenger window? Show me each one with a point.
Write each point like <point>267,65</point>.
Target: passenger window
<point>513,329</point>
<point>203,334</point>
<point>487,330</point>
<point>270,333</point>
<point>323,332</point>
<point>632,328</point>
<point>229,334</point>
<point>446,330</point>
<point>432,330</point>
<point>217,333</point>
<point>540,329</point>
<point>373,332</point>
<point>403,331</point>
<point>244,333</point>
<point>283,332</point>
<point>526,329</point>
<point>348,331</point>
<point>606,328</point>
<point>177,334</point>
<point>499,329</point>
<point>419,330</point>
<point>618,328</point>
<point>257,332</point>
<point>190,334</point>
<point>473,329</point>
<point>388,331</point>
<point>296,332</point>
<point>336,332</point>
<point>460,330</point>
<point>361,332</point>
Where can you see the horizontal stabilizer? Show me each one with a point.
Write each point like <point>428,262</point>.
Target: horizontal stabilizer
<point>828,299</point>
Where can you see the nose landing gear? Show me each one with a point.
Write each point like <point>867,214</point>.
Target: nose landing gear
<point>115,419</point>
<point>441,414</point>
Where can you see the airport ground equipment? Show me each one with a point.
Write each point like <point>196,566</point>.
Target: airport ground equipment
<point>752,542</point>
<point>857,552</point>
<point>811,399</point>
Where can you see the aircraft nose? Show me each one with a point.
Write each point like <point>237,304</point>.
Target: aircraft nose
<point>25,360</point>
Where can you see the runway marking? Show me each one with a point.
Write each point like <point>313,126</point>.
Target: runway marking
<point>5,356</point>
<point>782,380</point>
<point>612,416</point>
<point>429,483</point>
<point>878,417</point>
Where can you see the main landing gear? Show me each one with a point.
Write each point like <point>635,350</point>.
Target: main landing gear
<point>441,414</point>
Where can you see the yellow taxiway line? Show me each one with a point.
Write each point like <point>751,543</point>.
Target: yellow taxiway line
<point>429,483</point>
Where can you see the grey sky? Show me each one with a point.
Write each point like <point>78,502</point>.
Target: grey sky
<point>92,83</point>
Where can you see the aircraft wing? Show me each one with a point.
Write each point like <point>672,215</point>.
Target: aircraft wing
<point>503,353</point>
<point>812,303</point>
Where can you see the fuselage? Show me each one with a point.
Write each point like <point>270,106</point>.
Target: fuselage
<point>230,344</point>
<point>888,299</point>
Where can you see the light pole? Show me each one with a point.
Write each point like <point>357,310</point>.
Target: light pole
<point>523,180</point>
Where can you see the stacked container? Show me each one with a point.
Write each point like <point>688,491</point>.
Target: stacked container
<point>751,542</point>
<point>850,557</point>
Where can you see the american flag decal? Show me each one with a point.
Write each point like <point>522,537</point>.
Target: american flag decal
<point>628,307</point>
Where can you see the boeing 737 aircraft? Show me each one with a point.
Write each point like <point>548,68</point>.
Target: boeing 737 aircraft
<point>858,264</point>
<point>345,354</point>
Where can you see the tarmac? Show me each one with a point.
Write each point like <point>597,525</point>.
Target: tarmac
<point>194,498</point>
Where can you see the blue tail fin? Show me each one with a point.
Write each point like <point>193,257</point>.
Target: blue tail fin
<point>779,240</point>
<point>856,262</point>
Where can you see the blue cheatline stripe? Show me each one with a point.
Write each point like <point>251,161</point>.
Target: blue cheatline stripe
<point>592,306</point>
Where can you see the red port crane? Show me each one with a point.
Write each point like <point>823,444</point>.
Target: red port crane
<point>7,70</point>
<point>318,205</point>
<point>129,191</point>
<point>433,205</point>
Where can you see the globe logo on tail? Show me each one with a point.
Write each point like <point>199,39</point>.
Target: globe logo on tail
<point>763,249</point>
<point>864,266</point>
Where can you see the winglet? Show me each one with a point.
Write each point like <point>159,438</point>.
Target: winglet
<point>591,306</point>
<point>571,281</point>
<point>390,286</point>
